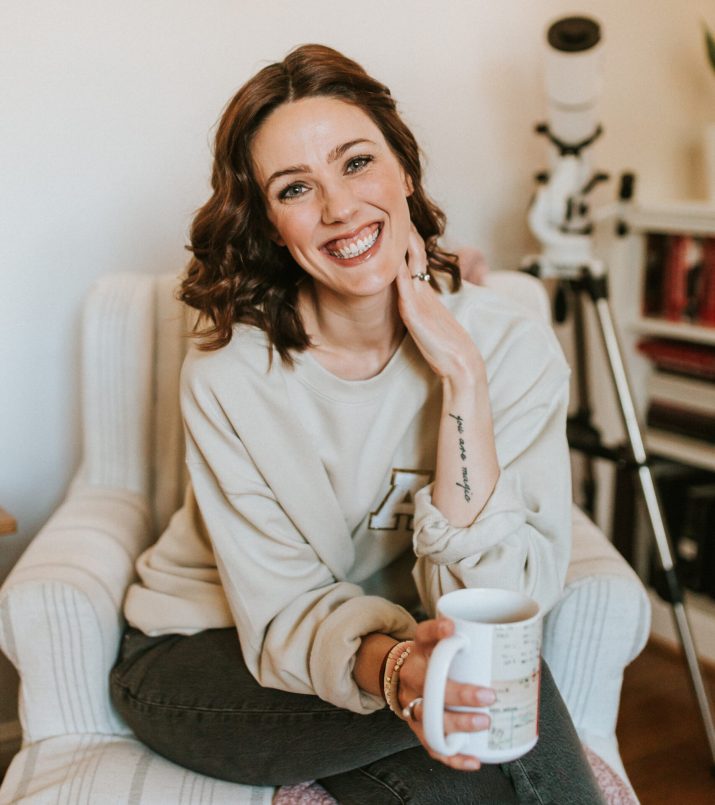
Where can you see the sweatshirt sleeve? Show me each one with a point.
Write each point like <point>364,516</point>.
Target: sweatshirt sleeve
<point>521,539</point>
<point>298,626</point>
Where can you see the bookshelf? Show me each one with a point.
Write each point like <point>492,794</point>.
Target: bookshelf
<point>627,258</point>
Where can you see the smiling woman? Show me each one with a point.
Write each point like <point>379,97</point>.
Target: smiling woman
<point>393,453</point>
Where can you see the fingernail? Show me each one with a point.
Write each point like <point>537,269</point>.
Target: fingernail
<point>486,696</point>
<point>480,722</point>
<point>444,627</point>
<point>472,765</point>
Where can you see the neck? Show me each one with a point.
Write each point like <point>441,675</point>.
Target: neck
<point>364,332</point>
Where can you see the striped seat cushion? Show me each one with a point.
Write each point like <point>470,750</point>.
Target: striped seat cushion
<point>91,769</point>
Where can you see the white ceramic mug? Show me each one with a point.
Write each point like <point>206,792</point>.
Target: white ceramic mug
<point>496,644</point>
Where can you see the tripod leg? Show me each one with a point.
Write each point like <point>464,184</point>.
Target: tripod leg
<point>583,415</point>
<point>650,496</point>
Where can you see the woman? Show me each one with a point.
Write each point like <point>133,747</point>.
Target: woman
<point>363,434</point>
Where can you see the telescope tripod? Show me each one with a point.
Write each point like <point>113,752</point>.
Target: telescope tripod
<point>584,437</point>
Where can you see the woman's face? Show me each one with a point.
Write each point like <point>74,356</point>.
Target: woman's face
<point>335,194</point>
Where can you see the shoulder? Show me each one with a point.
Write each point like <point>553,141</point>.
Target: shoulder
<point>515,340</point>
<point>226,372</point>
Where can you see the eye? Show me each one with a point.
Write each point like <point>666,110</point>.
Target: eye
<point>292,191</point>
<point>358,163</point>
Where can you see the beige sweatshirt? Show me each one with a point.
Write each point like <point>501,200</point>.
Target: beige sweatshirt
<point>308,521</point>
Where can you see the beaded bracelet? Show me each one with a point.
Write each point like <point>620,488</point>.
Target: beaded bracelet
<point>381,672</point>
<point>391,680</point>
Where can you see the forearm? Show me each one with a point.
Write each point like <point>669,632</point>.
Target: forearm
<point>467,466</point>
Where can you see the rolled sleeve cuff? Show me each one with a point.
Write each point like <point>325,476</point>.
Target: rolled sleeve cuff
<point>445,544</point>
<point>333,654</point>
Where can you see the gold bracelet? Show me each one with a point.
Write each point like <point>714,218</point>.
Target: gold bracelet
<point>399,653</point>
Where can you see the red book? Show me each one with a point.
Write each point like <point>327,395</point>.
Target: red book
<point>675,282</point>
<point>706,294</point>
<point>682,357</point>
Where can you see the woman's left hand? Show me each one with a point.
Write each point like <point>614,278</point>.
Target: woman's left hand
<point>411,687</point>
<point>443,342</point>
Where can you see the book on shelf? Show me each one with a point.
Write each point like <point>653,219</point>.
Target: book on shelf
<point>681,420</point>
<point>680,262</point>
<point>679,278</point>
<point>706,302</point>
<point>680,357</point>
<point>687,497</point>
<point>656,250</point>
<point>680,391</point>
<point>695,545</point>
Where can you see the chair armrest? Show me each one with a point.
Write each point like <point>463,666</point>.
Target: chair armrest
<point>600,624</point>
<point>60,610</point>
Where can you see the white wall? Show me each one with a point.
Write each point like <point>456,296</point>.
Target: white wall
<point>107,111</point>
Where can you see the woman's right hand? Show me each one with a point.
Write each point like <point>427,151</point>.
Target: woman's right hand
<point>411,686</point>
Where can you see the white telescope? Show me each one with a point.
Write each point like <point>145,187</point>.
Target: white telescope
<point>574,79</point>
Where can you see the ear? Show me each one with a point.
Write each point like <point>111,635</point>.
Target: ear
<point>407,183</point>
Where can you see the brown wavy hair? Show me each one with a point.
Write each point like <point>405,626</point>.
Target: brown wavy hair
<point>237,272</point>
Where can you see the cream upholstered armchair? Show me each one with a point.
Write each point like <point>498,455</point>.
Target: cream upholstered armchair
<point>61,607</point>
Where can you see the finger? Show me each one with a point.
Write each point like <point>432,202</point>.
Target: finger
<point>464,722</point>
<point>416,256</point>
<point>428,633</point>
<point>456,721</point>
<point>459,762</point>
<point>459,694</point>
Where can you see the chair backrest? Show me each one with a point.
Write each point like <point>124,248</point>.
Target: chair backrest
<point>169,473</point>
<point>527,291</point>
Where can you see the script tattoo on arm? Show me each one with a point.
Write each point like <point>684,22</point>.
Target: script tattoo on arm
<point>466,488</point>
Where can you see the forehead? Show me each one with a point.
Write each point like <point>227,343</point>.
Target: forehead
<point>305,131</point>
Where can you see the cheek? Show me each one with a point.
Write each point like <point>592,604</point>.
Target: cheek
<point>392,197</point>
<point>292,227</point>
<point>401,222</point>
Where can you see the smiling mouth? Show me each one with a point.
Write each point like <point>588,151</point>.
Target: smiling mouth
<point>362,242</point>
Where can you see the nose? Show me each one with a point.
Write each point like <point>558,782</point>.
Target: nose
<point>339,202</point>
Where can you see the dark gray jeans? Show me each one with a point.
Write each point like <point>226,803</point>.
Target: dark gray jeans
<point>192,700</point>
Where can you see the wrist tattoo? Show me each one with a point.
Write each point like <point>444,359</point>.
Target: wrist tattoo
<point>460,422</point>
<point>466,488</point>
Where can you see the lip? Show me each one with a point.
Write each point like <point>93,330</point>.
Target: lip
<point>350,235</point>
<point>361,258</point>
<point>348,262</point>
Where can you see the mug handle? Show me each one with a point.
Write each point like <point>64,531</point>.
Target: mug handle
<point>433,704</point>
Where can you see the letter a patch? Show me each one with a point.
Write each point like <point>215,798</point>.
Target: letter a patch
<point>398,506</point>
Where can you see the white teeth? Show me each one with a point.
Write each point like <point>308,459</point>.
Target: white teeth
<point>359,247</point>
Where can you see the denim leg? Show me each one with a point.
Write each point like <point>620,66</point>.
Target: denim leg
<point>192,700</point>
<point>413,777</point>
<point>556,770</point>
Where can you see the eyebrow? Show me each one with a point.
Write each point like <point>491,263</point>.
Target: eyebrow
<point>336,153</point>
